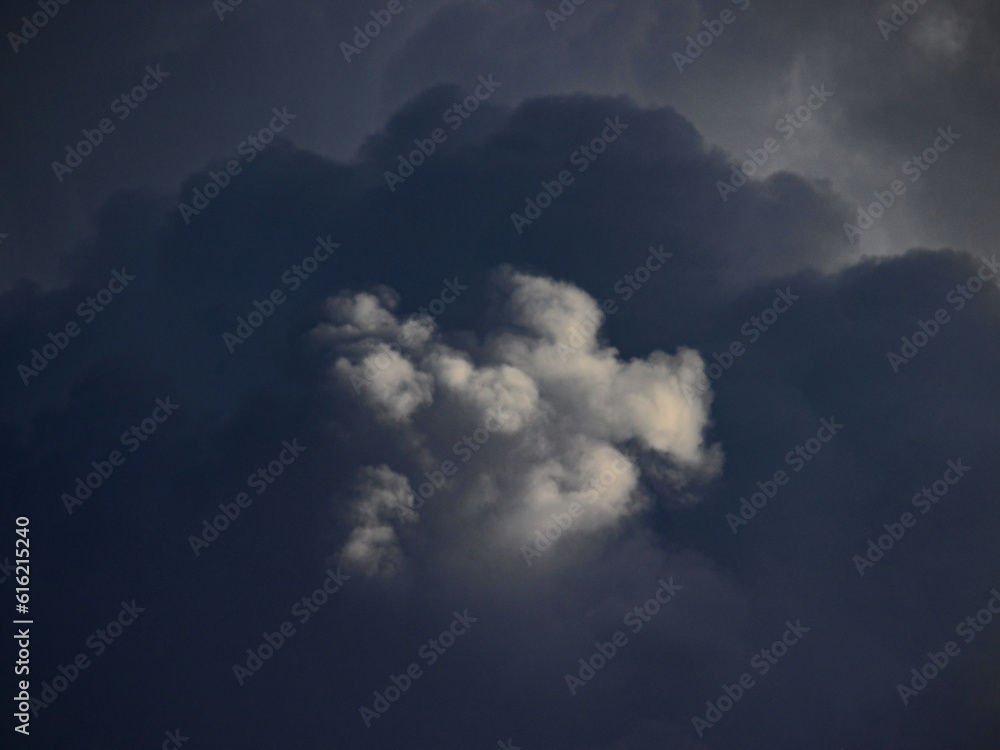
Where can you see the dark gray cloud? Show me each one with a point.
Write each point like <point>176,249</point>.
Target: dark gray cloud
<point>769,270</point>
<point>891,94</point>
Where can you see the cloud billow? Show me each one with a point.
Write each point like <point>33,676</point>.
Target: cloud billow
<point>564,404</point>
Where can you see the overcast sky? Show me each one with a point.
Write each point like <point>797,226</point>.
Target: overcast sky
<point>611,376</point>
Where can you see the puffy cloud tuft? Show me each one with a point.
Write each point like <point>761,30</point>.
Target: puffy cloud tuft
<point>541,416</point>
<point>381,496</point>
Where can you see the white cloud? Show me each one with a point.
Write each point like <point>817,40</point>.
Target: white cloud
<point>571,406</point>
<point>381,495</point>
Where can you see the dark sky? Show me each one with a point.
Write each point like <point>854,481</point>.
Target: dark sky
<point>621,379</point>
